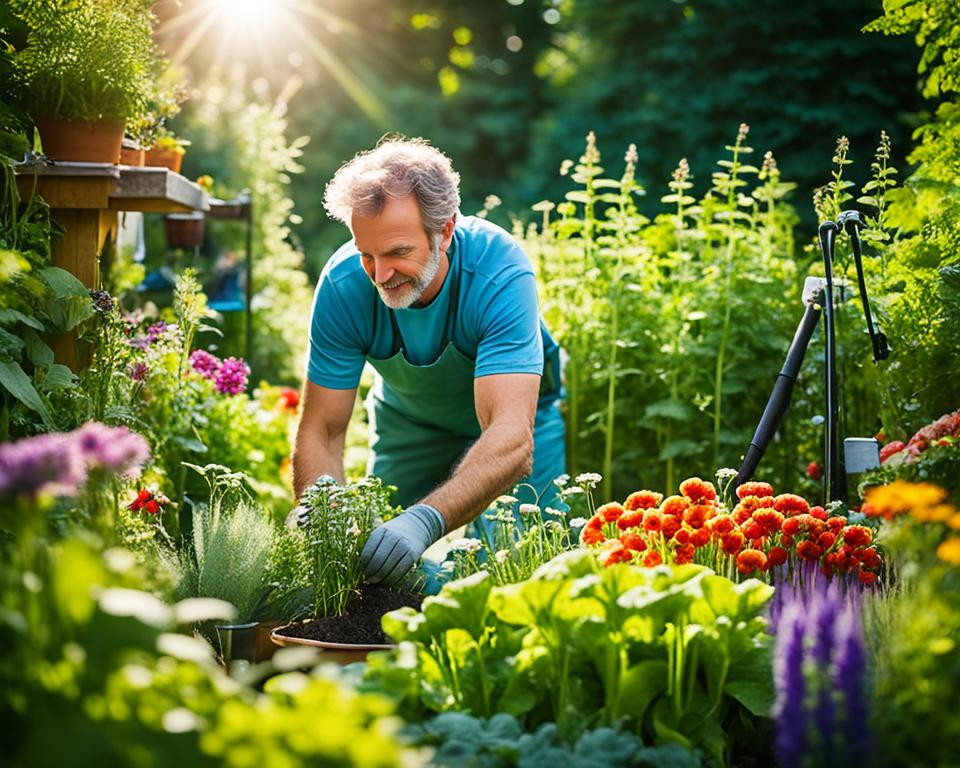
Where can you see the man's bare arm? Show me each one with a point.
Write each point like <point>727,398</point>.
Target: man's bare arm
<point>506,409</point>
<point>318,449</point>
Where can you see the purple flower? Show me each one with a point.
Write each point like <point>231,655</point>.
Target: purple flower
<point>138,371</point>
<point>849,673</point>
<point>43,464</point>
<point>204,363</point>
<point>232,376</point>
<point>790,744</point>
<point>112,449</point>
<point>157,330</point>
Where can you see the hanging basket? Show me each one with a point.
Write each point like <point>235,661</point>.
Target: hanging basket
<point>85,141</point>
<point>184,230</point>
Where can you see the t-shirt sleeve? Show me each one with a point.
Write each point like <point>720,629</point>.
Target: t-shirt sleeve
<point>336,350</point>
<point>510,340</point>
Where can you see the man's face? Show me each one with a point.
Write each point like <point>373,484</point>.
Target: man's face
<point>397,255</point>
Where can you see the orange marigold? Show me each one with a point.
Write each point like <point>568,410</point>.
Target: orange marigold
<point>733,542</point>
<point>590,536</point>
<point>674,505</point>
<point>614,553</point>
<point>611,512</point>
<point>857,535</point>
<point>751,560</point>
<point>642,500</point>
<point>682,536</point>
<point>632,518</point>
<point>819,513</point>
<point>652,558</point>
<point>752,530</point>
<point>698,490</point>
<point>826,539</point>
<point>697,514</point>
<point>776,556</point>
<point>867,577</point>
<point>722,524</point>
<point>684,554</point>
<point>633,541</point>
<point>790,504</point>
<point>671,525</point>
<point>768,519</point>
<point>652,520</point>
<point>700,537</point>
<point>808,550</point>
<point>754,489</point>
<point>836,523</point>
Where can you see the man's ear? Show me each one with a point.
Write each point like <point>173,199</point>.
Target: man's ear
<point>446,235</point>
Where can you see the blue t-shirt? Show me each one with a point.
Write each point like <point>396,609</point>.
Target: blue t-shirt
<point>497,324</point>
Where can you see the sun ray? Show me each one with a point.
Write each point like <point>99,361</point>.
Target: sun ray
<point>195,36</point>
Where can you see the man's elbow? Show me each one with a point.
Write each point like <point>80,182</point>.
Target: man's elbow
<point>525,454</point>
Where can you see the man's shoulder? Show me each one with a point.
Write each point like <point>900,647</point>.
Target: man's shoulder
<point>490,251</point>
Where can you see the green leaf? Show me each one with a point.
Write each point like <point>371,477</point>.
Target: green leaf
<point>668,409</point>
<point>63,284</point>
<point>13,315</point>
<point>57,377</point>
<point>38,352</point>
<point>18,384</point>
<point>751,682</point>
<point>461,604</point>
<point>681,447</point>
<point>68,312</point>
<point>578,197</point>
<point>640,685</point>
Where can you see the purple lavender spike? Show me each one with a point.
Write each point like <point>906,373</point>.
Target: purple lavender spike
<point>849,673</point>
<point>788,710</point>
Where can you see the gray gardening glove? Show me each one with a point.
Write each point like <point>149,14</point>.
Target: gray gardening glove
<point>395,546</point>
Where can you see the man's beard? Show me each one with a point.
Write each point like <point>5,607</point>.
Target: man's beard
<point>416,286</point>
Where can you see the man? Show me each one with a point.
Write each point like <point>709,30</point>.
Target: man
<point>444,308</point>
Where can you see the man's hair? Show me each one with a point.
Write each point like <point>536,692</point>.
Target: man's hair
<point>396,167</point>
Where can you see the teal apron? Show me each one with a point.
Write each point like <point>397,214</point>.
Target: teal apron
<point>423,417</point>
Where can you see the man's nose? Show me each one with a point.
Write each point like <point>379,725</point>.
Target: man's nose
<point>382,272</point>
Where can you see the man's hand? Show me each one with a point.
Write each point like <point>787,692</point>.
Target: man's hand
<point>395,546</point>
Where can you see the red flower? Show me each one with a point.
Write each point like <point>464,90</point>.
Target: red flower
<point>613,553</point>
<point>733,542</point>
<point>808,550</point>
<point>722,525</point>
<point>652,558</point>
<point>768,519</point>
<point>754,489</point>
<point>836,523</point>
<point>152,507</point>
<point>610,513</point>
<point>632,518</point>
<point>674,505</point>
<point>652,521</point>
<point>790,504</point>
<point>776,556</point>
<point>751,560</point>
<point>866,577</point>
<point>890,449</point>
<point>670,525</point>
<point>826,539</point>
<point>682,536</point>
<point>698,490</point>
<point>857,535</point>
<point>591,534</point>
<point>791,526</point>
<point>633,541</point>
<point>752,530</point>
<point>289,399</point>
<point>786,541</point>
<point>869,557</point>
<point>642,500</point>
<point>813,470</point>
<point>696,515</point>
<point>819,513</point>
<point>684,554</point>
<point>700,537</point>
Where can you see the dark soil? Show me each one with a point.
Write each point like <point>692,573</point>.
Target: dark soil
<point>360,623</point>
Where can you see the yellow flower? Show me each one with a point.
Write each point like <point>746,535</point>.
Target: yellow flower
<point>920,499</point>
<point>954,521</point>
<point>949,550</point>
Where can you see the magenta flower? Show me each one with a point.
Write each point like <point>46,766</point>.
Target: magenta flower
<point>138,371</point>
<point>204,363</point>
<point>232,376</point>
<point>113,449</point>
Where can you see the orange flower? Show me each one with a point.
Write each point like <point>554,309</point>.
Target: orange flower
<point>682,536</point>
<point>674,505</point>
<point>652,558</point>
<point>857,535</point>
<point>949,550</point>
<point>836,523</point>
<point>700,537</point>
<point>869,557</point>
<point>791,526</point>
<point>610,513</point>
<point>684,554</point>
<point>826,540</point>
<point>819,513</point>
<point>642,500</point>
<point>867,577</point>
<point>752,530</point>
<point>768,519</point>
<point>632,518</point>
<point>613,553</point>
<point>722,525</point>
<point>790,504</point>
<point>633,541</point>
<point>671,525</point>
<point>733,542</point>
<point>776,556</point>
<point>751,560</point>
<point>754,489</point>
<point>652,521</point>
<point>697,514</point>
<point>698,490</point>
<point>590,536</point>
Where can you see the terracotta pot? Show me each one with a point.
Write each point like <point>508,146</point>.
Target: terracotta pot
<point>183,230</point>
<point>265,647</point>
<point>163,158</point>
<point>131,154</point>
<point>87,141</point>
<point>339,653</point>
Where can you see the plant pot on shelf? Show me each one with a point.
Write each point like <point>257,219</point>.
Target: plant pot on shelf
<point>131,154</point>
<point>158,157</point>
<point>86,141</point>
<point>184,230</point>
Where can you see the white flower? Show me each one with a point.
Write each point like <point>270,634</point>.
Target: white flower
<point>578,522</point>
<point>589,478</point>
<point>529,509</point>
<point>501,556</point>
<point>571,491</point>
<point>469,546</point>
<point>506,500</point>
<point>561,480</point>
<point>353,529</point>
<point>555,512</point>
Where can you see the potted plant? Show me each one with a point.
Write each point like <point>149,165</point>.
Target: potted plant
<point>226,557</point>
<point>167,151</point>
<point>148,129</point>
<point>86,67</point>
<point>315,572</point>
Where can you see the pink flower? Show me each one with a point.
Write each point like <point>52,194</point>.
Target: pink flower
<point>232,377</point>
<point>204,363</point>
